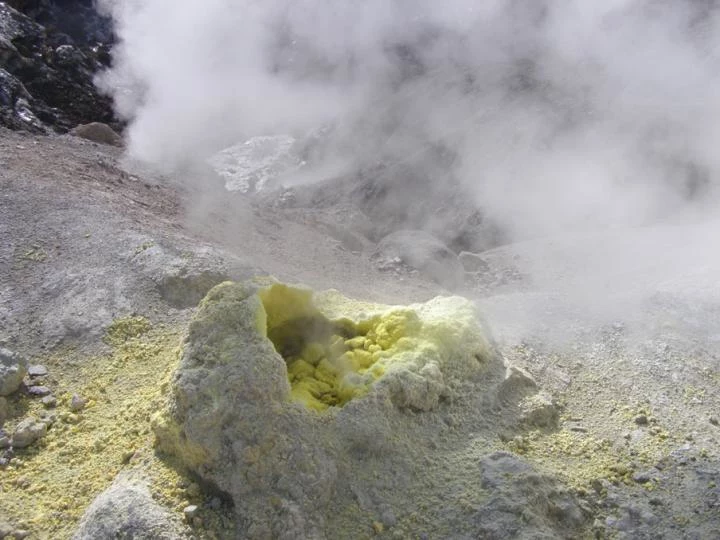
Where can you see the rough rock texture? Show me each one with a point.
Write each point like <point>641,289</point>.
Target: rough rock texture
<point>183,278</point>
<point>13,368</point>
<point>99,133</point>
<point>16,105</point>
<point>524,504</point>
<point>425,253</point>
<point>281,442</point>
<point>127,510</point>
<point>28,431</point>
<point>50,53</point>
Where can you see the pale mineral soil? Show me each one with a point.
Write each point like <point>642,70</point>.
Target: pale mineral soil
<point>84,243</point>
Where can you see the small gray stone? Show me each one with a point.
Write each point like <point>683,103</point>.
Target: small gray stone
<point>388,518</point>
<point>77,403</point>
<point>19,534</point>
<point>5,530</point>
<point>3,410</point>
<point>37,371</point>
<point>190,512</point>
<point>642,477</point>
<point>472,262</point>
<point>12,371</point>
<point>641,420</point>
<point>27,432</point>
<point>4,441</point>
<point>49,401</point>
<point>39,391</point>
<point>714,421</point>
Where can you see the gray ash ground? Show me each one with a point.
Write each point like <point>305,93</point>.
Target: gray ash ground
<point>637,393</point>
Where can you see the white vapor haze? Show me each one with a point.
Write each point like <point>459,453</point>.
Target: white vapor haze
<point>558,116</point>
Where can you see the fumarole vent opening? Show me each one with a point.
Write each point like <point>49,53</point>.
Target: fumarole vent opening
<point>329,362</point>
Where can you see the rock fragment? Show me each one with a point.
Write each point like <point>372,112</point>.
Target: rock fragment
<point>37,371</point>
<point>39,391</point>
<point>77,403</point>
<point>49,401</point>
<point>190,512</point>
<point>13,368</point>
<point>27,432</point>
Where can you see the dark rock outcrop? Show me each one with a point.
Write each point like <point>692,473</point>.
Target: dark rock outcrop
<point>50,51</point>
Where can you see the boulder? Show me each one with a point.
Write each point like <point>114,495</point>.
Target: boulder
<point>127,510</point>
<point>99,133</point>
<point>423,252</point>
<point>13,368</point>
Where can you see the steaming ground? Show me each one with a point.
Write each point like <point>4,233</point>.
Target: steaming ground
<point>634,376</point>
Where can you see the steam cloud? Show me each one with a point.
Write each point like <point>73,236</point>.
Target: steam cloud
<point>558,115</point>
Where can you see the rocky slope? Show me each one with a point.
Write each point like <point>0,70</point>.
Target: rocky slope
<point>610,430</point>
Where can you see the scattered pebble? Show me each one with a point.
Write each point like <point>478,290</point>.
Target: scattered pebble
<point>39,391</point>
<point>27,432</point>
<point>642,477</point>
<point>641,420</point>
<point>19,534</point>
<point>4,441</point>
<point>49,401</point>
<point>77,403</point>
<point>37,371</point>
<point>190,512</point>
<point>714,421</point>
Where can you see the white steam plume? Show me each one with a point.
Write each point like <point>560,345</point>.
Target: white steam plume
<point>559,115</point>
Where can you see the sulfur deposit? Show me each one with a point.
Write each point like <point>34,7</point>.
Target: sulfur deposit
<point>316,415</point>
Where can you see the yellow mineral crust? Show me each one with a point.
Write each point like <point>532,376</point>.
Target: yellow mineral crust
<point>336,348</point>
<point>48,485</point>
